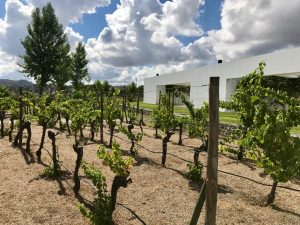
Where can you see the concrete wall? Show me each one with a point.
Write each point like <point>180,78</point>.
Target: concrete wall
<point>280,63</point>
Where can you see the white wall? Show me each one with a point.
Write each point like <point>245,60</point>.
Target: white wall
<point>283,63</point>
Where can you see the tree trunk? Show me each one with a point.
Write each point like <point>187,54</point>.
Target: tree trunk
<point>39,151</point>
<point>180,133</point>
<point>271,195</point>
<point>60,123</point>
<point>203,148</point>
<point>119,181</point>
<point>51,135</point>
<point>81,134</point>
<point>11,128</point>
<point>112,128</point>
<point>166,139</point>
<point>27,126</point>
<point>240,153</point>
<point>130,127</point>
<point>93,130</point>
<point>79,151</point>
<point>68,125</point>
<point>142,117</point>
<point>156,132</point>
<point>2,114</point>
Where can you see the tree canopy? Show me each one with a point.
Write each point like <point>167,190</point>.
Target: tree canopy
<point>46,48</point>
<point>79,67</point>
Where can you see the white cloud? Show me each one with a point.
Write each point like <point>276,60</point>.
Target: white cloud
<point>73,37</point>
<point>71,10</point>
<point>253,27</point>
<point>176,18</point>
<point>13,27</point>
<point>143,32</point>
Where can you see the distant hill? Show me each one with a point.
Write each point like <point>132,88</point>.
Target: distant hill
<point>16,83</point>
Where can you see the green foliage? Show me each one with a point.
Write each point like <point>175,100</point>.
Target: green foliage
<point>46,48</point>
<point>197,123</point>
<point>135,137</point>
<point>289,85</point>
<point>112,110</point>
<point>267,117</point>
<point>194,172</point>
<point>79,115</point>
<point>118,164</point>
<point>163,117</point>
<point>44,109</point>
<point>50,172</point>
<point>79,67</point>
<point>131,112</point>
<point>102,202</point>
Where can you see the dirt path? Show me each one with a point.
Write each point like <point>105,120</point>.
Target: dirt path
<point>157,195</point>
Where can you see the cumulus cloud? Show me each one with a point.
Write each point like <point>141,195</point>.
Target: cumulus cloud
<point>71,11</point>
<point>255,27</point>
<point>176,18</point>
<point>143,32</point>
<point>73,37</point>
<point>13,27</point>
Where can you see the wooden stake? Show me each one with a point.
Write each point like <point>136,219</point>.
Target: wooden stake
<point>20,118</point>
<point>199,205</point>
<point>101,117</point>
<point>212,154</point>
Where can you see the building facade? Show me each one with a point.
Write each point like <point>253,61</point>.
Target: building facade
<point>285,63</point>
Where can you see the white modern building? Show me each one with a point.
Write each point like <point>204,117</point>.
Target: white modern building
<point>285,63</point>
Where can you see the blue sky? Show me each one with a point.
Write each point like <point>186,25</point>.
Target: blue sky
<point>91,24</point>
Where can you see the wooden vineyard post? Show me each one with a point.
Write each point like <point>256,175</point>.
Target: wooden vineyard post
<point>79,151</point>
<point>138,105</point>
<point>156,128</point>
<point>20,118</point>
<point>173,99</point>
<point>212,154</point>
<point>101,117</point>
<point>199,205</point>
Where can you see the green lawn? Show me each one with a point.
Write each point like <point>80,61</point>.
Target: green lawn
<point>296,130</point>
<point>225,117</point>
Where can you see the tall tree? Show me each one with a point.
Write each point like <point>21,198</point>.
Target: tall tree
<point>79,66</point>
<point>46,47</point>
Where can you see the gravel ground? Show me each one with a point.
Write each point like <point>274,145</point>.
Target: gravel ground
<point>157,195</point>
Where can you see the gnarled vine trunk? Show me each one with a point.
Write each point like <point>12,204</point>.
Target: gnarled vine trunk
<point>119,181</point>
<point>79,151</point>
<point>39,151</point>
<point>52,135</point>
<point>271,195</point>
<point>93,130</point>
<point>130,127</point>
<point>166,139</point>
<point>12,120</point>
<point>111,129</point>
<point>2,115</point>
<point>68,125</point>
<point>203,148</point>
<point>180,133</point>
